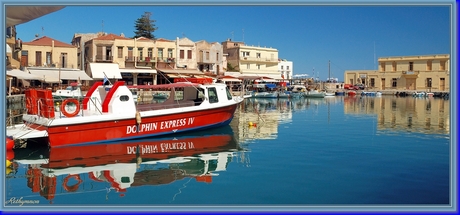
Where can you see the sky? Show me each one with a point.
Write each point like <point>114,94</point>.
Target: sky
<point>351,37</point>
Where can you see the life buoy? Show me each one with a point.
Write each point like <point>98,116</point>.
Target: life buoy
<point>64,111</point>
<point>74,187</point>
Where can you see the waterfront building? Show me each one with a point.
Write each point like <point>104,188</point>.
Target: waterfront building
<point>430,73</point>
<point>209,57</point>
<point>247,60</point>
<point>117,57</point>
<point>285,68</point>
<point>79,40</point>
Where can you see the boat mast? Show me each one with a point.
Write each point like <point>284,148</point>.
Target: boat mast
<point>329,70</point>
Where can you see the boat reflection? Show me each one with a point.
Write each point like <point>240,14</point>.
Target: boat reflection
<point>128,164</point>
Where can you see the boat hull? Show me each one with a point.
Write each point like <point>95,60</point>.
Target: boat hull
<point>124,129</point>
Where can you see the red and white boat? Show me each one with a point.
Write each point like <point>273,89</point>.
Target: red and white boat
<point>109,113</point>
<point>150,161</point>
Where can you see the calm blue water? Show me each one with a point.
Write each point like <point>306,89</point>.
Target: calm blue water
<point>331,152</point>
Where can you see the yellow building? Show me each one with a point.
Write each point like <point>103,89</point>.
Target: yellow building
<point>252,60</point>
<point>430,73</point>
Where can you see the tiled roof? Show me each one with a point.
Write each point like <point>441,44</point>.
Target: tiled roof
<point>46,41</point>
<point>111,37</point>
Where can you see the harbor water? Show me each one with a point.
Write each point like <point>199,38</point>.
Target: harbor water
<point>340,153</point>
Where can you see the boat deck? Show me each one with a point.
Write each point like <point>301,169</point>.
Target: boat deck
<point>21,131</point>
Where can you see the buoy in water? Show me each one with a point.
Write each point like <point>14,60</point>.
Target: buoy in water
<point>9,154</point>
<point>8,170</point>
<point>9,144</point>
<point>250,123</point>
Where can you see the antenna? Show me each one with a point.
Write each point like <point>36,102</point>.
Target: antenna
<point>232,35</point>
<point>43,29</point>
<point>102,26</point>
<point>374,57</point>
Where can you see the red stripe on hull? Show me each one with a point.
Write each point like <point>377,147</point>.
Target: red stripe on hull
<point>128,152</point>
<point>128,129</point>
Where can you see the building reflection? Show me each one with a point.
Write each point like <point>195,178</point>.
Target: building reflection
<point>157,161</point>
<point>258,118</point>
<point>414,114</point>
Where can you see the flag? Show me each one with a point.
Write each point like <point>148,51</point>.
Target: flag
<point>105,80</point>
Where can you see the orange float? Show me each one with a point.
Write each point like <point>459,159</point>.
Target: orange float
<point>71,188</point>
<point>9,144</point>
<point>64,111</point>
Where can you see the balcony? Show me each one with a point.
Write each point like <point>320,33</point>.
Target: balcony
<point>410,73</point>
<point>259,59</point>
<point>166,59</point>
<point>104,58</point>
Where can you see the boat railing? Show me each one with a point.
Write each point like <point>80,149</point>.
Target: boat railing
<point>168,104</point>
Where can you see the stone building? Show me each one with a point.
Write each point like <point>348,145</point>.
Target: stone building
<point>429,73</point>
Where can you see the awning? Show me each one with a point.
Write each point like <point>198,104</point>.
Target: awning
<point>151,71</point>
<point>231,80</point>
<point>181,71</point>
<point>22,75</point>
<point>177,76</point>
<point>45,76</point>
<point>51,75</point>
<point>16,15</point>
<point>110,70</point>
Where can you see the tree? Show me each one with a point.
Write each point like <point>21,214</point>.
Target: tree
<point>145,26</point>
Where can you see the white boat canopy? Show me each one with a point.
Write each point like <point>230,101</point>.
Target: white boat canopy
<point>103,70</point>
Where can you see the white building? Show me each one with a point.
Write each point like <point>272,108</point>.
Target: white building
<point>285,68</point>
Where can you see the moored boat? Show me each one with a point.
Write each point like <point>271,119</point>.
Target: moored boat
<point>109,113</point>
<point>315,94</point>
<point>122,165</point>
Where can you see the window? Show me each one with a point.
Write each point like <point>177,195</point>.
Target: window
<point>207,55</point>
<point>38,58</point>
<point>160,53</point>
<point>140,53</point>
<point>428,82</point>
<point>372,82</point>
<point>63,60</point>
<point>245,54</point>
<point>212,95</point>
<point>150,53</point>
<point>189,54</point>
<point>124,98</point>
<point>120,52</point>
<point>258,66</point>
<point>48,58</point>
<point>170,53</point>
<point>411,66</point>
<point>130,53</point>
<point>229,94</point>
<point>394,66</point>
<point>429,65</point>
<point>217,57</point>
<point>382,67</point>
<point>181,54</point>
<point>248,66</point>
<point>287,67</point>
<point>442,65</point>
<point>281,66</point>
<point>394,81</point>
<point>258,55</point>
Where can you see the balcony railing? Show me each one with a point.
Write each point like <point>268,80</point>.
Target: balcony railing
<point>104,58</point>
<point>259,59</point>
<point>410,72</point>
<point>166,59</point>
